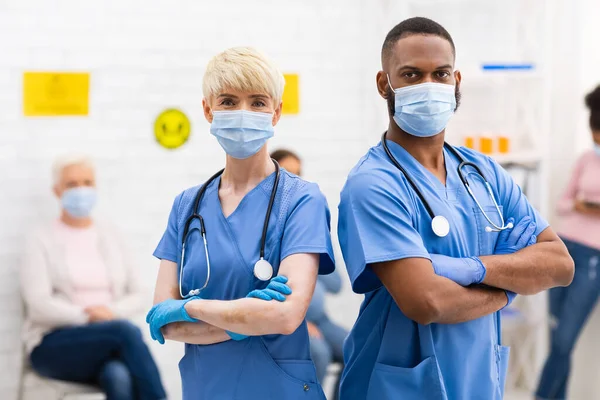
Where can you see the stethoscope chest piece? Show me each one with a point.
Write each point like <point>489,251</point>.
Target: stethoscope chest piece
<point>263,270</point>
<point>440,226</point>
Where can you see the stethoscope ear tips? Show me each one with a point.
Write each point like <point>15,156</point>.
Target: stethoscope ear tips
<point>488,229</point>
<point>509,225</point>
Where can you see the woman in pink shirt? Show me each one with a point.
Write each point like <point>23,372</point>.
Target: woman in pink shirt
<point>570,306</point>
<point>79,287</point>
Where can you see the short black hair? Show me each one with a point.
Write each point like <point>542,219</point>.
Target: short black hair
<point>592,101</point>
<point>414,26</point>
<point>280,154</point>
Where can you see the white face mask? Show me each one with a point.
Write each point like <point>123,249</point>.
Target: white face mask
<point>79,202</point>
<point>242,133</point>
<point>424,110</point>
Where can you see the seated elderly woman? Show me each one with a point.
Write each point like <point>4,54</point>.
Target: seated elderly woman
<point>79,286</point>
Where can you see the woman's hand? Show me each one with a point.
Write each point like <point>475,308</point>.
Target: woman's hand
<point>99,313</point>
<point>164,313</point>
<point>581,207</point>
<point>275,290</point>
<point>584,208</point>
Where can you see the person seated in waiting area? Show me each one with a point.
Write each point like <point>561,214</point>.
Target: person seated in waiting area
<point>326,337</point>
<point>79,287</point>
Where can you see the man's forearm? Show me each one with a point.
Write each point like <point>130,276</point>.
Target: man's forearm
<point>195,333</point>
<point>248,316</point>
<point>454,304</point>
<point>531,270</point>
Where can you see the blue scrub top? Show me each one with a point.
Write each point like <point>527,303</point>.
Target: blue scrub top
<point>389,356</point>
<point>271,366</point>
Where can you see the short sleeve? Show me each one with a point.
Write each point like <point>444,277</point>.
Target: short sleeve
<point>513,200</point>
<point>375,225</point>
<point>167,248</point>
<point>307,228</point>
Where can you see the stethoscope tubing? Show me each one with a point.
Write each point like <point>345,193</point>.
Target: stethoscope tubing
<point>196,215</point>
<point>462,163</point>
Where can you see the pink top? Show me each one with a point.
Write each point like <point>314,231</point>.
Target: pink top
<point>85,265</point>
<point>584,185</point>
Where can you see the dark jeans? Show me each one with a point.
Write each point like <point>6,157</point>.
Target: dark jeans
<point>569,309</point>
<point>109,354</point>
<point>328,349</point>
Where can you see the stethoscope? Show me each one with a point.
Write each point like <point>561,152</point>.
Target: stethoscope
<point>263,269</point>
<point>439,223</point>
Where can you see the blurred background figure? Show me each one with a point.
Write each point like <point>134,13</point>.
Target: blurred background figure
<point>571,306</point>
<point>79,287</point>
<point>326,337</point>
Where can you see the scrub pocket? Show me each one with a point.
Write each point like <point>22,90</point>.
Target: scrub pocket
<point>487,240</point>
<point>419,383</point>
<point>264,378</point>
<point>502,356</point>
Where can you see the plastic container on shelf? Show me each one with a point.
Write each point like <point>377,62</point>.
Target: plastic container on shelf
<point>486,144</point>
<point>503,144</point>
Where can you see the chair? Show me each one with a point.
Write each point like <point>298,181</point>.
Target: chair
<point>520,327</point>
<point>62,390</point>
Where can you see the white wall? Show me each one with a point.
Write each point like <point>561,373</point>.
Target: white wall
<point>145,56</point>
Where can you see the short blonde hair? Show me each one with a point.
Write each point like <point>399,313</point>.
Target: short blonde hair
<point>64,161</point>
<point>244,69</point>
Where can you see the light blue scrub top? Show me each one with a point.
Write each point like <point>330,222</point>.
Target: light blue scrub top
<point>389,356</point>
<point>262,367</point>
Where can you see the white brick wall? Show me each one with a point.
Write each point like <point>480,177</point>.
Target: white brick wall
<point>145,56</point>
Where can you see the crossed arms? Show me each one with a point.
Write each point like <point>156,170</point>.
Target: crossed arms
<point>428,298</point>
<point>248,316</point>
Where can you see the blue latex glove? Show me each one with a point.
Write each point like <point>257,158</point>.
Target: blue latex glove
<point>464,271</point>
<point>164,313</point>
<point>275,290</point>
<point>517,238</point>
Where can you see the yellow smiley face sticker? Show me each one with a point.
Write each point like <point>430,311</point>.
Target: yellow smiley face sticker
<point>172,128</point>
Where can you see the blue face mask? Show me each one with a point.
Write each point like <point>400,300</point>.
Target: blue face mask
<point>424,110</point>
<point>79,202</point>
<point>597,149</point>
<point>242,133</point>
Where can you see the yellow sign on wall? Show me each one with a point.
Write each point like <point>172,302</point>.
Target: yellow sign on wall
<point>55,93</point>
<point>291,94</point>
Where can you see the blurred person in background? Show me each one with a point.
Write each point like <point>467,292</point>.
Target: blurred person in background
<point>571,306</point>
<point>231,245</point>
<point>79,287</point>
<point>326,337</point>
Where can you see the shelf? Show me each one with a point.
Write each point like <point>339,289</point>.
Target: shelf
<point>518,157</point>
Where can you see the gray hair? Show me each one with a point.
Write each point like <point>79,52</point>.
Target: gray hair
<point>66,160</point>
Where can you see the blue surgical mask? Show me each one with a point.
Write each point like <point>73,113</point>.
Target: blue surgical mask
<point>424,110</point>
<point>79,202</point>
<point>597,149</point>
<point>242,133</point>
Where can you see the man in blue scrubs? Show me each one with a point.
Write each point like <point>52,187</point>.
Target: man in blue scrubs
<point>429,326</point>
